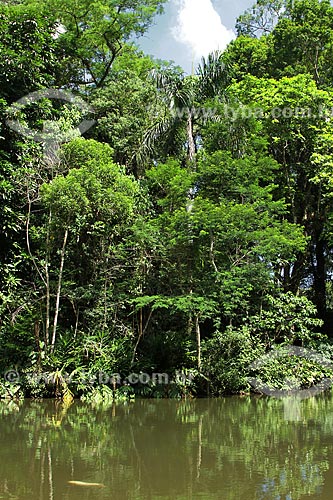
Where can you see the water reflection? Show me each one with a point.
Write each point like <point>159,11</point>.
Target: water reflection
<point>230,449</point>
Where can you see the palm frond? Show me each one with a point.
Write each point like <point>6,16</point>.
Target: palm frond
<point>173,87</point>
<point>151,137</point>
<point>214,74</point>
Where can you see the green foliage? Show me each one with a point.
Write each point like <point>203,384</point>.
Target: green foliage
<point>29,57</point>
<point>9,391</point>
<point>104,396</point>
<point>290,373</point>
<point>122,107</point>
<point>97,192</point>
<point>192,228</point>
<point>295,38</point>
<point>283,320</point>
<point>288,319</point>
<point>92,34</point>
<point>227,356</point>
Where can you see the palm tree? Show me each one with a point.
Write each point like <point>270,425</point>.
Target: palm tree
<point>177,107</point>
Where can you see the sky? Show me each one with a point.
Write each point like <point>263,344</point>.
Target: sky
<point>190,29</point>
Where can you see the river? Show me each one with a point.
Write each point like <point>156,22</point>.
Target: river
<point>233,448</point>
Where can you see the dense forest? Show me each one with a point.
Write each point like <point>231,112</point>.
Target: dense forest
<point>187,226</point>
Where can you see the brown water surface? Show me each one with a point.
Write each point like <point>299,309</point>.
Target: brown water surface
<point>237,448</point>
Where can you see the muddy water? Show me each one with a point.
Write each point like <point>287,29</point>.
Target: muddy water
<point>228,449</point>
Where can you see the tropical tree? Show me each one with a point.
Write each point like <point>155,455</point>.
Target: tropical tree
<point>284,38</point>
<point>92,34</point>
<point>261,18</point>
<point>122,107</point>
<point>89,209</point>
<point>293,111</point>
<point>180,101</point>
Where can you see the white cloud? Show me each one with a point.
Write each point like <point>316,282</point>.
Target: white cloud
<point>199,27</point>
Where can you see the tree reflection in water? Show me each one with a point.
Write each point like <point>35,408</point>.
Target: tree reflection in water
<point>232,448</point>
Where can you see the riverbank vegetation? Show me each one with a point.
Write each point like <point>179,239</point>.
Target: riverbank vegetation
<point>190,228</point>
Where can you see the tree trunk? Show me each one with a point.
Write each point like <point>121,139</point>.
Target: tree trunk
<point>61,269</point>
<point>319,274</point>
<point>37,340</point>
<point>142,331</point>
<point>190,139</point>
<point>47,285</point>
<point>198,334</point>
